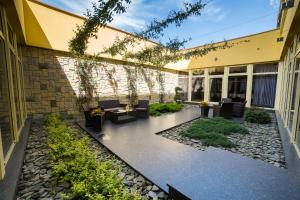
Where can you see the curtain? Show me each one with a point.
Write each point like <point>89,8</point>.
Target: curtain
<point>264,89</point>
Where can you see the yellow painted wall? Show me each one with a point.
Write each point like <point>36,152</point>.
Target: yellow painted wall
<point>262,47</point>
<point>290,24</point>
<point>51,28</point>
<point>20,12</point>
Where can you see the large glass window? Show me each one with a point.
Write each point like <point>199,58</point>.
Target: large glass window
<point>197,88</point>
<point>5,120</point>
<point>215,93</point>
<point>198,72</point>
<point>16,88</point>
<point>235,70</point>
<point>298,131</point>
<point>264,90</point>
<point>183,82</point>
<point>237,86</point>
<point>293,97</point>
<point>216,71</point>
<point>265,68</point>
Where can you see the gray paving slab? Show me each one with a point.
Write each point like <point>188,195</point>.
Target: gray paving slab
<point>210,174</point>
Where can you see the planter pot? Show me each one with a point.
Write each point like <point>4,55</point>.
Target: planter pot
<point>204,111</point>
<point>97,122</point>
<point>88,119</point>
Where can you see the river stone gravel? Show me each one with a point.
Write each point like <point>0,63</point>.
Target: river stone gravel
<point>37,180</point>
<point>263,141</point>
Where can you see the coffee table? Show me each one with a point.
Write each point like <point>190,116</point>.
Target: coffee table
<point>122,116</point>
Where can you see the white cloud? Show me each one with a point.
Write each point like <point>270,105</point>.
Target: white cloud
<point>133,18</point>
<point>214,13</point>
<point>274,3</point>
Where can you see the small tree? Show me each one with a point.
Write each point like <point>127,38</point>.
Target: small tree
<point>157,56</point>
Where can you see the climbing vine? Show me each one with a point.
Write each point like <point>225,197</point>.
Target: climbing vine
<point>157,55</point>
<point>110,73</point>
<point>131,83</point>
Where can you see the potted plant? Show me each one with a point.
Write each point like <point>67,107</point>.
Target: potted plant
<point>204,106</point>
<point>178,94</point>
<point>97,119</point>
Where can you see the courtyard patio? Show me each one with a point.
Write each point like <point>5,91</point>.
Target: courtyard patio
<point>194,173</point>
<point>117,102</point>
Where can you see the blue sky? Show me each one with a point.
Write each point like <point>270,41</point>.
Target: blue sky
<point>221,19</point>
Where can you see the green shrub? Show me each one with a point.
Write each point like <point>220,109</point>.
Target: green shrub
<point>157,108</point>
<point>258,116</point>
<point>212,132</point>
<point>73,162</point>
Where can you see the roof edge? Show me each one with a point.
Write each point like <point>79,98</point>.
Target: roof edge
<point>238,38</point>
<point>84,18</point>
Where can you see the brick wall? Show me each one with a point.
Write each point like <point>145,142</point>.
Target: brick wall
<point>52,85</point>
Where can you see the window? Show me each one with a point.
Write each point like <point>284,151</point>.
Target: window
<point>265,68</point>
<point>10,35</point>
<point>183,74</point>
<point>237,86</point>
<point>297,67</point>
<point>264,90</point>
<point>216,71</point>
<point>198,88</point>
<point>215,89</point>
<point>183,82</point>
<point>298,129</point>
<point>1,25</point>
<point>294,91</point>
<point>198,72</point>
<point>5,120</point>
<point>16,88</point>
<point>235,70</point>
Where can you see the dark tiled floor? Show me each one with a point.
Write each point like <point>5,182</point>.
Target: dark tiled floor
<point>210,174</point>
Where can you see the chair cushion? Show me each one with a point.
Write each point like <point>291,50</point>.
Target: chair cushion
<point>110,109</point>
<point>141,109</point>
<point>143,103</point>
<point>109,104</point>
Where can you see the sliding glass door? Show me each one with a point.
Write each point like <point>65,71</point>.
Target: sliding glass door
<point>5,119</point>
<point>264,90</point>
<point>237,86</point>
<point>264,85</point>
<point>215,94</point>
<point>198,88</point>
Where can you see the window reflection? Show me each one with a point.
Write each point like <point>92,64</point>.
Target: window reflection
<point>198,89</point>
<point>215,89</point>
<point>16,88</point>
<point>5,120</point>
<point>237,86</point>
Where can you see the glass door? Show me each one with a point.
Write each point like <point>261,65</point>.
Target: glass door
<point>5,118</point>
<point>198,88</point>
<point>215,89</point>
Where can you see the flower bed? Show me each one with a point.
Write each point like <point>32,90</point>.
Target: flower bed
<point>38,179</point>
<point>74,163</point>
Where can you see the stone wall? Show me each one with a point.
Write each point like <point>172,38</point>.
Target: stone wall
<point>52,85</point>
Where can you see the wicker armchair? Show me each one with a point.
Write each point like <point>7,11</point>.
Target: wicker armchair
<point>225,110</point>
<point>239,109</point>
<point>142,109</point>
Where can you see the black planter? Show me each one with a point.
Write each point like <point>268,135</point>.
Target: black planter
<point>97,122</point>
<point>204,111</point>
<point>88,119</point>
